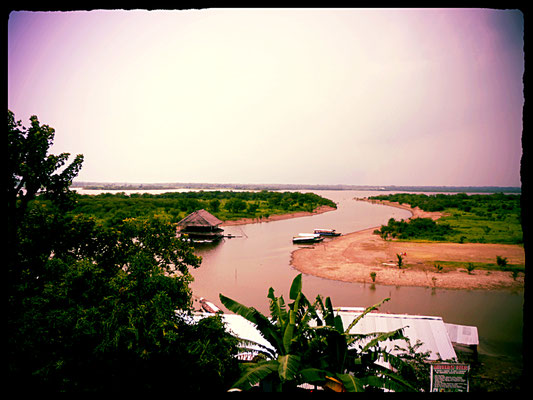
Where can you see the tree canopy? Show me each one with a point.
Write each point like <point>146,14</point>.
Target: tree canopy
<point>93,307</point>
<point>111,208</point>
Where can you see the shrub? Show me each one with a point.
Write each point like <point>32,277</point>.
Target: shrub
<point>470,267</point>
<point>501,261</point>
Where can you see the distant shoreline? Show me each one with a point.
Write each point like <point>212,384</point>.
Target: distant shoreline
<point>281,186</point>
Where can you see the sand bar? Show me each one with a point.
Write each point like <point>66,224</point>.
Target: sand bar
<point>354,256</point>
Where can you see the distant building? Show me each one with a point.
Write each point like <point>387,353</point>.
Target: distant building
<point>200,226</point>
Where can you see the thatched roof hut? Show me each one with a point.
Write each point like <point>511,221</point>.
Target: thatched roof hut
<point>200,225</point>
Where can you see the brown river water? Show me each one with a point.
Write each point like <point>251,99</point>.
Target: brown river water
<point>245,267</point>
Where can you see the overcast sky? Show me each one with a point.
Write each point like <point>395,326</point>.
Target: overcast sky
<point>325,96</point>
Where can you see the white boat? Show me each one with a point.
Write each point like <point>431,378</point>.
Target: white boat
<point>326,232</point>
<point>307,238</point>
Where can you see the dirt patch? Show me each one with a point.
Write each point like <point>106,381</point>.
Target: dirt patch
<point>354,256</point>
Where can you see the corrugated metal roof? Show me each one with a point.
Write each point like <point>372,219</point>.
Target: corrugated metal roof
<point>244,329</point>
<point>463,334</point>
<point>430,330</point>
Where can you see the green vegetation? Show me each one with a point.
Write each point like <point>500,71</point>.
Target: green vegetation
<point>98,304</point>
<point>415,229</point>
<point>112,208</point>
<point>478,218</point>
<point>513,269</point>
<point>93,308</point>
<point>309,344</point>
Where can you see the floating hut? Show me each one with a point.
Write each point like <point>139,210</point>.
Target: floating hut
<point>200,226</point>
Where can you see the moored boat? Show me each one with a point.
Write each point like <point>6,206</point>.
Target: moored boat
<point>307,238</point>
<point>326,232</point>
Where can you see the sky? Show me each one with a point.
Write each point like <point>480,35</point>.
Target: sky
<point>303,96</point>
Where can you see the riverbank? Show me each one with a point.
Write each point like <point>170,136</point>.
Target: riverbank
<point>355,256</point>
<point>278,217</point>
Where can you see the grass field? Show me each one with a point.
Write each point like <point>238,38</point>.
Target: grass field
<point>474,228</point>
<point>494,218</point>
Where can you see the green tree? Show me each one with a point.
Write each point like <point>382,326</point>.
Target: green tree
<point>31,170</point>
<point>310,345</point>
<point>235,205</point>
<point>252,207</point>
<point>214,205</point>
<point>99,308</point>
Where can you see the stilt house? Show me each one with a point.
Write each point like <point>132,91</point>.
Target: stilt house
<point>200,226</point>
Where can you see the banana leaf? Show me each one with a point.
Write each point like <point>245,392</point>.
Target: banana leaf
<point>392,335</point>
<point>255,372</point>
<point>288,366</point>
<point>367,310</point>
<point>384,378</point>
<point>264,325</point>
<point>296,287</point>
<point>351,383</point>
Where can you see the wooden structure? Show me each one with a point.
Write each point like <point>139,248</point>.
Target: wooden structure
<point>200,226</point>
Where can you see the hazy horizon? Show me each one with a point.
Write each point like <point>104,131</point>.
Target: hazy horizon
<point>288,184</point>
<point>381,97</point>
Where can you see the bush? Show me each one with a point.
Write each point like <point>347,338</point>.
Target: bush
<point>501,261</point>
<point>417,228</point>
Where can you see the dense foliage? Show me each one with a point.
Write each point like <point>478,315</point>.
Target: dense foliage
<point>93,307</point>
<point>111,208</point>
<point>477,218</point>
<point>417,228</point>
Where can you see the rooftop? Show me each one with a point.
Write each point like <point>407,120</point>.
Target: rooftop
<point>435,335</point>
<point>200,218</point>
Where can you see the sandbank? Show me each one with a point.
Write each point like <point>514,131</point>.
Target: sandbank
<point>353,257</point>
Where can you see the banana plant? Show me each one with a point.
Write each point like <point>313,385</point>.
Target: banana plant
<point>285,334</point>
<point>355,367</point>
<point>311,346</point>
